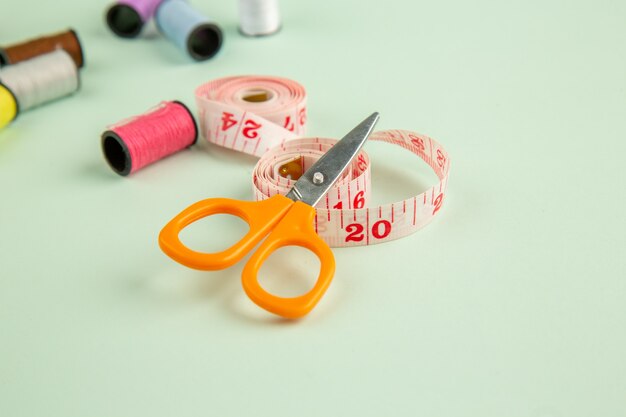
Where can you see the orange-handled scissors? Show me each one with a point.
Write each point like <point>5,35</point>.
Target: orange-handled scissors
<point>288,220</point>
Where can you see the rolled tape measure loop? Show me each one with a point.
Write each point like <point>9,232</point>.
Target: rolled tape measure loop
<point>268,180</point>
<point>344,217</point>
<point>251,114</point>
<point>265,116</point>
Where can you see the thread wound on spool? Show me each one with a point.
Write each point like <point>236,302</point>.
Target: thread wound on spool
<point>32,48</point>
<point>189,30</point>
<point>41,79</point>
<point>141,140</point>
<point>259,17</point>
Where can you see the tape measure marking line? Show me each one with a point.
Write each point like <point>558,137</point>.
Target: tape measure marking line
<point>238,129</point>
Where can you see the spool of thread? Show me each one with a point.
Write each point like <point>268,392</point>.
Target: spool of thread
<point>141,140</point>
<point>188,29</point>
<point>8,106</point>
<point>31,48</point>
<point>126,18</point>
<point>259,17</point>
<point>41,79</point>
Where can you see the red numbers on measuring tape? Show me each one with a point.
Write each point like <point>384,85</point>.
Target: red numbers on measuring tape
<point>355,232</point>
<point>386,229</point>
<point>250,127</point>
<point>380,230</point>
<point>437,203</point>
<point>302,116</point>
<point>361,163</point>
<point>301,119</point>
<point>417,141</point>
<point>441,158</point>
<point>289,125</point>
<point>359,200</point>
<point>228,121</point>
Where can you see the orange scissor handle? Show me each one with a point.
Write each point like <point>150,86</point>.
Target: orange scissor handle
<point>295,229</point>
<point>261,217</point>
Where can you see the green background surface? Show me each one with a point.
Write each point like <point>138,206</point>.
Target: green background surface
<point>511,303</point>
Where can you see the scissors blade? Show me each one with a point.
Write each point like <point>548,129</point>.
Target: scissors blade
<point>318,179</point>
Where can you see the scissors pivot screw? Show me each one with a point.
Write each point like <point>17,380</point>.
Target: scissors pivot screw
<point>318,178</point>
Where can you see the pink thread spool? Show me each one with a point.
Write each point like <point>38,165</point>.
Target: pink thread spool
<point>141,140</point>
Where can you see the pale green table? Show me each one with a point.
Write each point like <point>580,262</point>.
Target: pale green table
<point>511,303</point>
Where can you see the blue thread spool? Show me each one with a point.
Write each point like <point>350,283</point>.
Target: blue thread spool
<point>188,29</point>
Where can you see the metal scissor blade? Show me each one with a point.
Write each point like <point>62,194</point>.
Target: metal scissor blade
<point>318,179</point>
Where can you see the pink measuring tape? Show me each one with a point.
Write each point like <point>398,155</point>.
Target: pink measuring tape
<point>266,117</point>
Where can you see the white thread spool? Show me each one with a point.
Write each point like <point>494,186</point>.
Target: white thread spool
<point>41,79</point>
<point>258,17</point>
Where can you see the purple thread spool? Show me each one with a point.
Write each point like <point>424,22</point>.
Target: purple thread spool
<point>127,17</point>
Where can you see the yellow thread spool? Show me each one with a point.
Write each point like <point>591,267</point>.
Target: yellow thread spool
<point>8,106</point>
